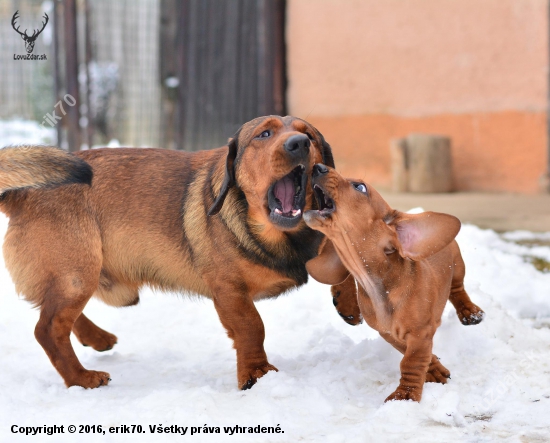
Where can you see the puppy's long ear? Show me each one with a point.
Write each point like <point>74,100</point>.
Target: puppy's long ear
<point>229,179</point>
<point>422,235</point>
<point>326,267</point>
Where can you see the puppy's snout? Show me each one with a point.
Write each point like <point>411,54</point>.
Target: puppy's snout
<point>319,169</point>
<point>298,145</point>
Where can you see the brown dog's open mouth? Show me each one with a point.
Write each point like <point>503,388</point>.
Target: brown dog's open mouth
<point>287,197</point>
<point>325,203</point>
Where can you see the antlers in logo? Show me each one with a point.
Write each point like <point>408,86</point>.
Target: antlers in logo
<point>29,40</point>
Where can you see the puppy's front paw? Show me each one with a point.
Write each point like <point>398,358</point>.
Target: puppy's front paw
<point>347,307</point>
<point>470,314</point>
<point>405,393</point>
<point>248,378</point>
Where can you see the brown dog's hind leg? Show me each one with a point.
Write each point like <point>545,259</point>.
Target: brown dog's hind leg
<point>437,373</point>
<point>58,314</point>
<point>344,298</point>
<point>468,313</point>
<point>245,327</point>
<point>92,335</point>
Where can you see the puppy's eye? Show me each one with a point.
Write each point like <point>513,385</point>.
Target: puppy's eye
<point>388,250</point>
<point>264,134</point>
<point>360,187</point>
<point>309,136</point>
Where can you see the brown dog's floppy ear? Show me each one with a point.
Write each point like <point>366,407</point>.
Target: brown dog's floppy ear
<point>326,152</point>
<point>326,267</point>
<point>422,235</point>
<point>229,179</point>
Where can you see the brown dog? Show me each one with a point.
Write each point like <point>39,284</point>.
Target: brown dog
<point>407,267</point>
<point>148,217</point>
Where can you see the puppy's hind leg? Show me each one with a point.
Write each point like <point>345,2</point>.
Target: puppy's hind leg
<point>468,313</point>
<point>437,373</point>
<point>92,335</point>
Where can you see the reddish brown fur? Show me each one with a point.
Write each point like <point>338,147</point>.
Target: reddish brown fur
<point>407,267</point>
<point>144,220</point>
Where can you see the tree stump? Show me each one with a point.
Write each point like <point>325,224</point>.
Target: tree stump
<point>422,163</point>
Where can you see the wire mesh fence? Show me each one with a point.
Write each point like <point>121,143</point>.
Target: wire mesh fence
<point>132,67</point>
<point>119,92</point>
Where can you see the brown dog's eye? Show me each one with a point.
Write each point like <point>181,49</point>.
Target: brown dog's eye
<point>264,134</point>
<point>388,250</point>
<point>309,136</point>
<point>361,187</point>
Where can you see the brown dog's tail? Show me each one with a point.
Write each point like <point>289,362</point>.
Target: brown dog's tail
<point>37,166</point>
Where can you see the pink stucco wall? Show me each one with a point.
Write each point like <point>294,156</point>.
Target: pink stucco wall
<point>438,66</point>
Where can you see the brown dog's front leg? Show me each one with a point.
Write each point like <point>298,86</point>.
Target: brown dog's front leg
<point>245,327</point>
<point>468,313</point>
<point>92,335</point>
<point>344,298</point>
<point>414,366</point>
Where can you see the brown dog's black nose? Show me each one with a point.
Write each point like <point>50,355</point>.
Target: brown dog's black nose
<point>319,169</point>
<point>298,144</point>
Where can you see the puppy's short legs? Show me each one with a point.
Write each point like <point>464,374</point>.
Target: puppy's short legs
<point>414,366</point>
<point>244,326</point>
<point>437,373</point>
<point>344,298</point>
<point>468,313</point>
<point>58,314</point>
<point>90,334</point>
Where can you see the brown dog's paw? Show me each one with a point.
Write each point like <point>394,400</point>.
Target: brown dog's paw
<point>90,379</point>
<point>437,373</point>
<point>347,307</point>
<point>249,378</point>
<point>351,319</point>
<point>92,335</point>
<point>470,314</point>
<point>100,341</point>
<point>405,393</point>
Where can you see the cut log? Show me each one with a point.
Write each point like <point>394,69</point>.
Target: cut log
<point>429,163</point>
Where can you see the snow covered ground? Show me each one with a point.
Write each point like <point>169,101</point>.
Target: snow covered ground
<point>174,365</point>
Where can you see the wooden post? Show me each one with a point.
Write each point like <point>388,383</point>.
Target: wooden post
<point>89,58</point>
<point>71,75</point>
<point>429,163</point>
<point>57,11</point>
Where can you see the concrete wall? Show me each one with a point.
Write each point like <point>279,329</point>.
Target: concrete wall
<point>367,71</point>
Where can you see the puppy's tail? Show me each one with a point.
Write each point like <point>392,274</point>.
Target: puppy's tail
<point>37,166</point>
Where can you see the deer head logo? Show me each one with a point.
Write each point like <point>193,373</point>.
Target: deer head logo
<point>29,39</point>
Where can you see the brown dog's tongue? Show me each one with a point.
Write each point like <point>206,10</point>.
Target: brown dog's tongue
<point>284,192</point>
